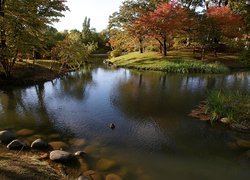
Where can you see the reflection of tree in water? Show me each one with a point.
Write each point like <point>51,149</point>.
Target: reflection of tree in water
<point>26,109</point>
<point>75,83</point>
<point>160,95</point>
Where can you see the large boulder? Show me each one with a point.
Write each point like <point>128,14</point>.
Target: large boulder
<point>39,144</point>
<point>16,144</point>
<point>61,156</point>
<point>6,136</point>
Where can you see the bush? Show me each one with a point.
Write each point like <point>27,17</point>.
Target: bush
<point>116,53</point>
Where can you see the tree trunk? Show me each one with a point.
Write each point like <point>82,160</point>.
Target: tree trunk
<point>141,45</point>
<point>165,46</point>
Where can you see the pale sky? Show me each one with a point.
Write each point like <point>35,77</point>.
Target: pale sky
<point>97,10</point>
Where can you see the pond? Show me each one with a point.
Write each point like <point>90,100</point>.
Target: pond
<point>154,137</point>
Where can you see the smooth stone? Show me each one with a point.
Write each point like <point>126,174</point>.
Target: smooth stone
<point>243,143</point>
<point>25,132</point>
<point>105,164</point>
<point>7,136</point>
<point>60,156</point>
<point>58,145</point>
<point>113,177</point>
<point>39,144</point>
<point>93,175</point>
<point>80,153</point>
<point>225,120</point>
<point>77,142</point>
<point>32,138</point>
<point>84,178</point>
<point>16,144</point>
<point>54,136</point>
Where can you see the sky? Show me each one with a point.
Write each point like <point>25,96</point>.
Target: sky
<point>97,10</point>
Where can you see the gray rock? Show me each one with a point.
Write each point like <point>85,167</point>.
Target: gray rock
<point>16,144</point>
<point>84,178</point>
<point>61,156</point>
<point>7,136</point>
<point>80,153</point>
<point>225,120</point>
<point>39,144</point>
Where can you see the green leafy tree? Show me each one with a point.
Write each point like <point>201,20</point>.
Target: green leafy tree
<point>22,25</point>
<point>72,51</point>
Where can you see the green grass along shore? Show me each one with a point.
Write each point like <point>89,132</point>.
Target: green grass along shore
<point>174,62</point>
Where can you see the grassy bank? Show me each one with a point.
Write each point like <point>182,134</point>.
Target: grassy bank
<point>27,73</point>
<point>174,62</point>
<point>232,105</point>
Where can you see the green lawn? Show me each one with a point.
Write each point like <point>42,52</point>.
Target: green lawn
<point>175,61</point>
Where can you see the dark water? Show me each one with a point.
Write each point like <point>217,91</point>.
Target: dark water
<point>154,137</point>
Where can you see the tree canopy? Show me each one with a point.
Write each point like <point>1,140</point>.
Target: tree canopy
<point>23,25</point>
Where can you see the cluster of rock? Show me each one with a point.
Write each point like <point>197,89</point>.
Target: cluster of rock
<point>59,156</point>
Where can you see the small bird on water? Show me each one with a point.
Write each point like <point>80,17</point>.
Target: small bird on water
<point>112,126</point>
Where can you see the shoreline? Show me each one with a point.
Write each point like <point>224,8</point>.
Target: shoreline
<point>27,74</point>
<point>177,62</point>
<point>27,159</point>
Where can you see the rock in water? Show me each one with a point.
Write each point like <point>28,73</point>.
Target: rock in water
<point>84,178</point>
<point>61,156</point>
<point>225,120</point>
<point>39,144</point>
<point>105,164</point>
<point>6,136</point>
<point>113,177</point>
<point>58,145</point>
<point>16,144</point>
<point>25,132</point>
<point>80,154</point>
<point>77,142</point>
<point>92,175</point>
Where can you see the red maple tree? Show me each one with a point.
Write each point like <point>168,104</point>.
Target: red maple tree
<point>164,23</point>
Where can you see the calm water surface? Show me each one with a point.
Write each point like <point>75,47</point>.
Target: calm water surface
<point>154,137</point>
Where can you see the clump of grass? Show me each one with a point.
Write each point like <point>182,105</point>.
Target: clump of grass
<point>170,63</point>
<point>232,105</point>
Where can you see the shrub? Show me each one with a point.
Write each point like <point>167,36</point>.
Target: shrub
<point>116,53</point>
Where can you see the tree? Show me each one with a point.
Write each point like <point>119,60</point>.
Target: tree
<point>72,51</point>
<point>23,24</point>
<point>125,20</point>
<point>226,20</point>
<point>164,23</point>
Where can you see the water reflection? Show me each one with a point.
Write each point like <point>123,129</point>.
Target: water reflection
<point>149,110</point>
<point>160,95</point>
